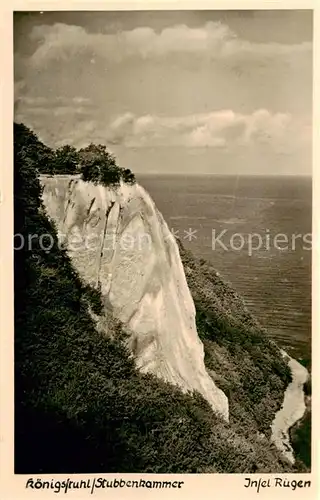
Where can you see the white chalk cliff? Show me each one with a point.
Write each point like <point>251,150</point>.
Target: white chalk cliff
<point>118,241</point>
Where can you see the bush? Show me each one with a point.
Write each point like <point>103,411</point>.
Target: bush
<point>128,176</point>
<point>300,435</point>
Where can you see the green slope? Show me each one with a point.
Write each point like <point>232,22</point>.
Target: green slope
<point>80,404</point>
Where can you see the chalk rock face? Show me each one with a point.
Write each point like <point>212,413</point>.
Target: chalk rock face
<point>118,241</point>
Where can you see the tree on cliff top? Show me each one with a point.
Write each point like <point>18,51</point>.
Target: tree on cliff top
<point>66,160</point>
<point>99,166</point>
<point>94,162</point>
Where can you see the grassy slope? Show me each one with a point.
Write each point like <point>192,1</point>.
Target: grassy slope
<point>300,436</point>
<point>80,405</point>
<point>300,433</point>
<point>244,363</point>
<point>240,358</point>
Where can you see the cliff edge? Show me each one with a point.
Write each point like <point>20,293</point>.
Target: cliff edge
<point>119,242</point>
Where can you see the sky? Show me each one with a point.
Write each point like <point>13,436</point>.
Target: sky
<point>221,92</point>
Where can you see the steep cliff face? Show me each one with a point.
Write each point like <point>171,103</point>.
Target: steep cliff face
<point>118,241</point>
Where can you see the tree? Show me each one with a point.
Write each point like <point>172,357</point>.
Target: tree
<point>93,160</point>
<point>99,166</point>
<point>66,160</point>
<point>28,144</point>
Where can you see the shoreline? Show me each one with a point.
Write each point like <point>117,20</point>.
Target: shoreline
<point>292,410</point>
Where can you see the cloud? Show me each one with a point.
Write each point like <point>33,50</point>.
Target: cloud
<point>221,141</point>
<point>216,129</point>
<point>202,90</point>
<point>28,100</point>
<point>76,120</point>
<point>214,41</point>
<point>29,107</point>
<point>82,100</point>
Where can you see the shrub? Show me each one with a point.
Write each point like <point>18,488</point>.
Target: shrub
<point>307,387</point>
<point>128,176</point>
<point>300,435</point>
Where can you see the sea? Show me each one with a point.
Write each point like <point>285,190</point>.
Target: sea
<point>256,232</point>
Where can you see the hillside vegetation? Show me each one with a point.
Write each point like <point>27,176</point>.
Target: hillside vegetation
<point>93,163</point>
<point>80,404</point>
<point>241,359</point>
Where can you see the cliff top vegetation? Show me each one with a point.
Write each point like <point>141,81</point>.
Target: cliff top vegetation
<point>94,163</point>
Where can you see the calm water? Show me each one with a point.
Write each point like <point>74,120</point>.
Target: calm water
<point>275,283</point>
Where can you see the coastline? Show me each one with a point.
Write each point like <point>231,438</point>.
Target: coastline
<point>292,410</point>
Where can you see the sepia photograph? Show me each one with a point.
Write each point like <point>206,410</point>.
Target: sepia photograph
<point>163,243</point>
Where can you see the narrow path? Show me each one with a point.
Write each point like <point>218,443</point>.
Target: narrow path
<point>292,410</point>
